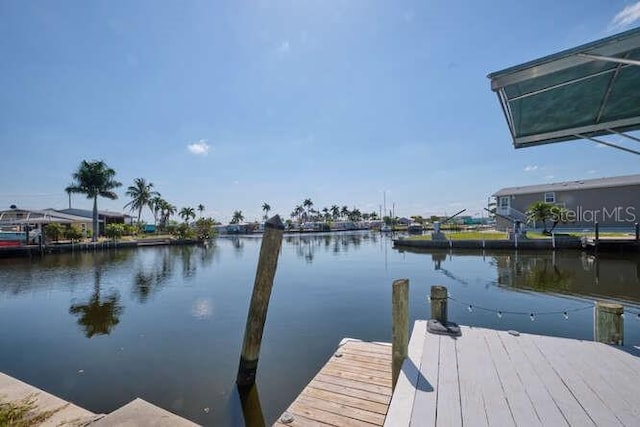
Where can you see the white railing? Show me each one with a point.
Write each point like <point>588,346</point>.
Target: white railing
<point>512,213</point>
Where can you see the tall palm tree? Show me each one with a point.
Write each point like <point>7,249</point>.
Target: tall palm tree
<point>237,217</point>
<point>298,211</point>
<point>344,212</point>
<point>166,210</point>
<point>201,209</point>
<point>187,213</point>
<point>335,211</point>
<point>94,179</point>
<point>266,208</point>
<point>141,193</point>
<point>156,207</point>
<point>307,203</point>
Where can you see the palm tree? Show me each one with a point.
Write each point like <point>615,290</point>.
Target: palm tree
<point>166,210</point>
<point>237,217</point>
<point>141,193</point>
<point>335,211</point>
<point>94,179</point>
<point>201,209</point>
<point>187,213</point>
<point>156,207</point>
<point>266,208</point>
<point>298,211</point>
<point>540,211</point>
<point>344,212</point>
<point>307,203</point>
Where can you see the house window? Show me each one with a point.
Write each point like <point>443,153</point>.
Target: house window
<point>550,197</point>
<point>504,202</point>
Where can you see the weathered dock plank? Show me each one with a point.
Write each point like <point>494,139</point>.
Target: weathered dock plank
<point>352,389</point>
<point>488,377</point>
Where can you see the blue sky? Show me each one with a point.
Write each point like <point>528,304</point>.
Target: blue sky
<point>232,104</point>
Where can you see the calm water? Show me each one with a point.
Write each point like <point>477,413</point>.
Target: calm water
<point>166,323</point>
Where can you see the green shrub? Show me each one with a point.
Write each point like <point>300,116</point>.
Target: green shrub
<point>183,231</point>
<point>114,231</point>
<point>53,231</point>
<point>73,233</point>
<point>204,228</point>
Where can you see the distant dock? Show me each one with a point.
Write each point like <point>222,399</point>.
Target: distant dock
<point>524,244</point>
<point>37,250</point>
<point>587,244</point>
<point>483,377</point>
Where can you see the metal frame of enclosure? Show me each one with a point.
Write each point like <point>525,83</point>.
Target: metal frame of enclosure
<point>581,93</point>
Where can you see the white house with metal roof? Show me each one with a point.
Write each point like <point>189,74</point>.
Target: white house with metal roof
<point>613,202</point>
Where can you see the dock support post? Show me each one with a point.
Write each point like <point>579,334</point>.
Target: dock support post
<point>637,232</point>
<point>267,265</point>
<point>597,238</point>
<point>608,323</point>
<point>399,326</point>
<point>438,298</point>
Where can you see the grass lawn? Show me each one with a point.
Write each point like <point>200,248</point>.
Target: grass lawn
<point>467,235</point>
<point>611,235</point>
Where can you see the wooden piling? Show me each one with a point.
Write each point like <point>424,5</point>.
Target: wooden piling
<point>608,323</point>
<point>637,226</point>
<point>399,326</point>
<point>439,297</point>
<point>267,265</point>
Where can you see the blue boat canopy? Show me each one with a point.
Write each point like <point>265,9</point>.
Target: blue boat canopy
<point>580,93</point>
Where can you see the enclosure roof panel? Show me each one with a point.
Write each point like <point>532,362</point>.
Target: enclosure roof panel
<point>587,91</point>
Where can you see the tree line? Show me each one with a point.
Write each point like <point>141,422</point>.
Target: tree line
<point>96,179</point>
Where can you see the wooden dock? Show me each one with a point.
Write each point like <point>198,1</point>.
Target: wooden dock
<point>352,389</point>
<point>484,377</point>
<point>487,377</point>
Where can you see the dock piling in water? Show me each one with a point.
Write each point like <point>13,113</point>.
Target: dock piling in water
<point>399,326</point>
<point>608,323</point>
<point>267,265</point>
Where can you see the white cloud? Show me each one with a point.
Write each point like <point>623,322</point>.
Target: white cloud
<point>549,177</point>
<point>284,47</point>
<point>200,148</point>
<point>531,168</point>
<point>627,16</point>
<point>202,308</point>
<point>592,171</point>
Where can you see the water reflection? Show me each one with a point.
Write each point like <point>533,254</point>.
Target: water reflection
<point>101,313</point>
<point>251,408</point>
<point>612,276</point>
<point>152,274</point>
<point>149,279</point>
<point>308,245</point>
<point>238,245</point>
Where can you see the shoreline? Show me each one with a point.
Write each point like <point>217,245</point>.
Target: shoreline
<point>591,245</point>
<point>38,251</point>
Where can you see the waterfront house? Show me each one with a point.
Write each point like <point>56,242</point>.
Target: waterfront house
<point>104,217</point>
<point>613,202</point>
<point>20,221</point>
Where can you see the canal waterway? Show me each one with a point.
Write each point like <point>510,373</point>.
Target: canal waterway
<point>166,323</point>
